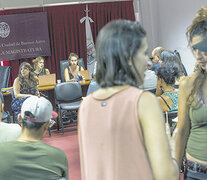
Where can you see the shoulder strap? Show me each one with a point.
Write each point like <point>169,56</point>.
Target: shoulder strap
<point>166,103</point>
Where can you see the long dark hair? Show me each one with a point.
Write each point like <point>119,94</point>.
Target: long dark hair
<point>117,44</point>
<point>23,83</point>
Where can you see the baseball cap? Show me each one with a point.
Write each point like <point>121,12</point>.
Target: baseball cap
<point>40,107</point>
<point>202,46</point>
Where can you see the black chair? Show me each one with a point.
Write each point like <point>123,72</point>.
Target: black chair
<point>153,90</point>
<point>68,98</point>
<point>4,74</point>
<point>6,117</point>
<point>64,64</point>
<point>171,115</point>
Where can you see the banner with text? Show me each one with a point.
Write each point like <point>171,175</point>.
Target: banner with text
<point>24,36</point>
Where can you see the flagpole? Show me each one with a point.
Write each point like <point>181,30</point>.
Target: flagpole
<point>91,59</point>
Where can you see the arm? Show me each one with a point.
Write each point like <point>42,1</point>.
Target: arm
<point>16,88</point>
<point>183,125</point>
<point>37,81</point>
<point>47,71</point>
<point>155,138</point>
<point>66,75</point>
<point>158,90</point>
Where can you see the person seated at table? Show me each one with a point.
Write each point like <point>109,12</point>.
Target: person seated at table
<point>39,69</point>
<point>71,72</point>
<point>167,94</point>
<point>24,85</point>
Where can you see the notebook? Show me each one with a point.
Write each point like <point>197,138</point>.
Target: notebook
<point>47,80</point>
<point>84,73</point>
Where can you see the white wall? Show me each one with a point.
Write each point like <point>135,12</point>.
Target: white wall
<point>16,4</point>
<point>166,22</point>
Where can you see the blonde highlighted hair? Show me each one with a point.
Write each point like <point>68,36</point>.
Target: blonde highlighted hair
<point>36,61</point>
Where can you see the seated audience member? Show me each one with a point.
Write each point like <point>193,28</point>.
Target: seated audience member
<point>24,85</point>
<point>150,80</point>
<point>8,132</point>
<point>169,56</point>
<point>28,157</point>
<point>167,94</point>
<point>39,69</point>
<point>156,58</point>
<point>118,138</point>
<point>71,72</point>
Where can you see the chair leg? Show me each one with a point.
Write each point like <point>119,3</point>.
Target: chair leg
<point>61,121</point>
<point>49,131</point>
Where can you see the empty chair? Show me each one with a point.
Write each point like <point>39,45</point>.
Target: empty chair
<point>5,114</point>
<point>68,98</point>
<point>64,64</point>
<point>4,74</point>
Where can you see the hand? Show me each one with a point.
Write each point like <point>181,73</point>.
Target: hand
<point>37,93</point>
<point>171,139</point>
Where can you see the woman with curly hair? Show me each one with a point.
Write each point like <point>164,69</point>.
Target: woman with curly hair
<point>191,134</point>
<point>39,69</point>
<point>168,95</point>
<point>24,85</point>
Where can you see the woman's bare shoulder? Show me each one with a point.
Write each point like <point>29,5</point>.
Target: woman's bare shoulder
<point>16,80</point>
<point>188,81</point>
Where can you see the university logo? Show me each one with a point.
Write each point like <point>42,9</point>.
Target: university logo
<point>4,30</point>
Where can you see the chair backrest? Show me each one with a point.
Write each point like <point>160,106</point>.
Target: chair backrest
<point>2,98</point>
<point>93,86</point>
<point>68,91</point>
<point>153,90</point>
<point>64,64</point>
<point>171,115</point>
<point>4,74</point>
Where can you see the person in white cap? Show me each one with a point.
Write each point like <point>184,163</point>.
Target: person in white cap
<point>28,157</point>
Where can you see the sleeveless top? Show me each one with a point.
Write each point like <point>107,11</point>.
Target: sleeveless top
<point>43,72</point>
<point>174,98</point>
<point>110,138</point>
<point>197,141</point>
<point>70,74</point>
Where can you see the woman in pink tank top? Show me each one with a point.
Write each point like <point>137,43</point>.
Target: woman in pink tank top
<point>121,128</point>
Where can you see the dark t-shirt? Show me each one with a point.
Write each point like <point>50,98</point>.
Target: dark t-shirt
<point>32,160</point>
